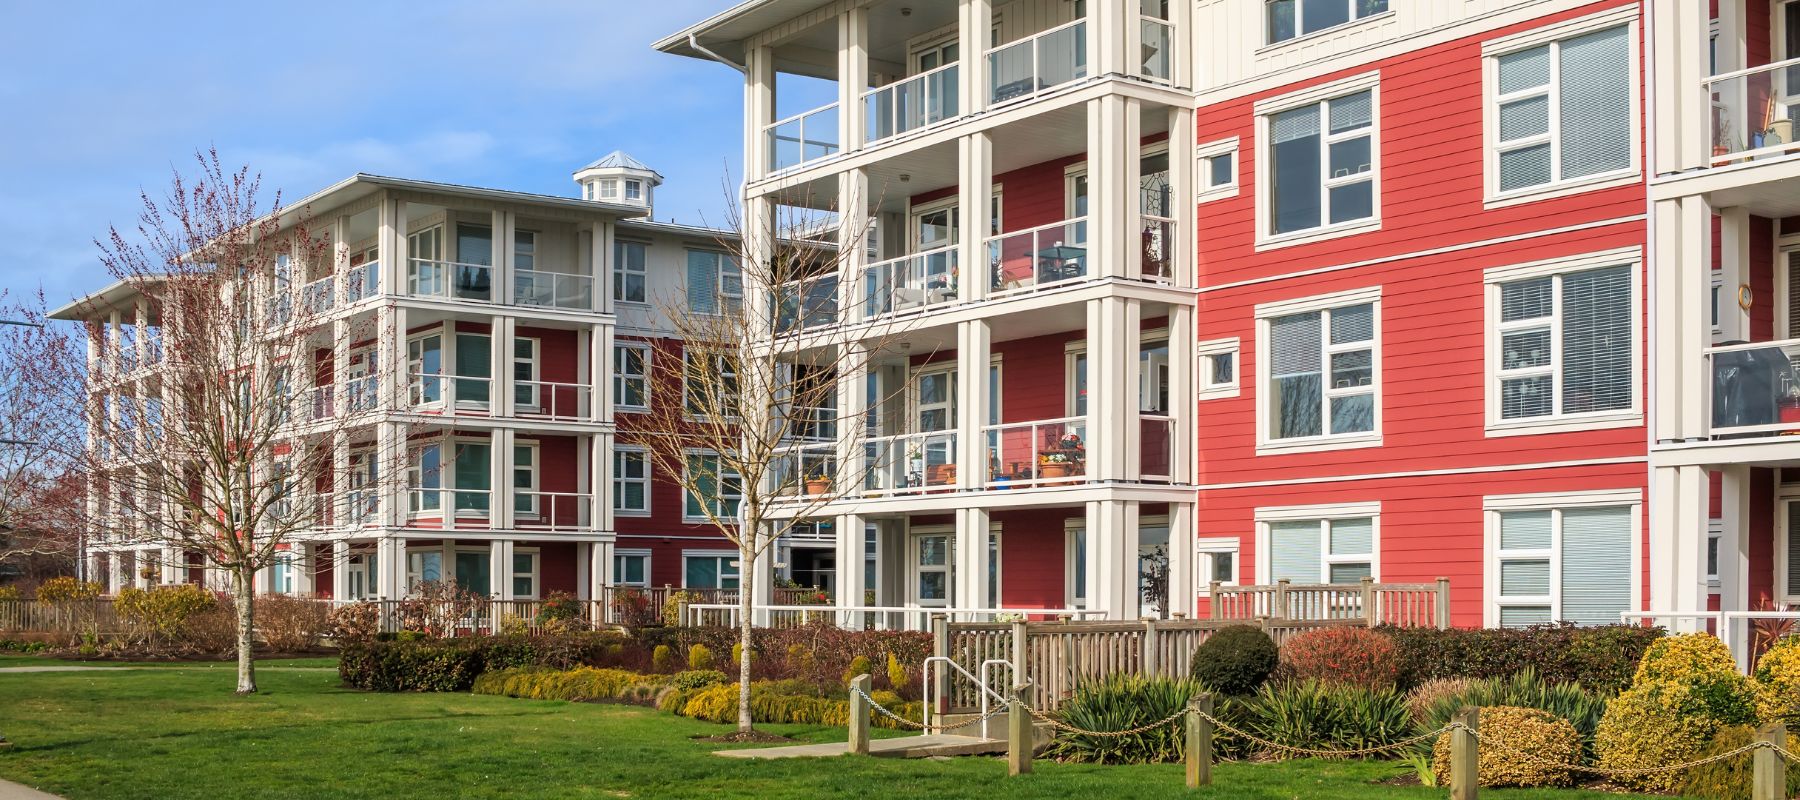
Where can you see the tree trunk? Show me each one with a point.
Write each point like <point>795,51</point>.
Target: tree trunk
<point>746,589</point>
<point>245,596</point>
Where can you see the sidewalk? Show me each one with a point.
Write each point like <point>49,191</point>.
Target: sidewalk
<point>13,791</point>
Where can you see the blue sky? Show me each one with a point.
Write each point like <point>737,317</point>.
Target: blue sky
<point>105,99</point>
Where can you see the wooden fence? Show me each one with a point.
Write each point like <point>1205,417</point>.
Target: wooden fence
<point>1418,605</point>
<point>70,616</point>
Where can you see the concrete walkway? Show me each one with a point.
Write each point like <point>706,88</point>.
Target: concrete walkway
<point>13,791</point>
<point>937,744</point>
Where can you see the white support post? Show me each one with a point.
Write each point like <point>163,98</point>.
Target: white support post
<point>759,110</point>
<point>973,355</point>
<point>340,259</point>
<point>976,19</point>
<point>1106,36</point>
<point>341,509</point>
<point>851,556</point>
<point>975,166</point>
<point>601,571</point>
<point>853,76</point>
<point>390,563</point>
<point>1182,451</point>
<point>305,566</point>
<point>1113,153</point>
<point>1111,364</point>
<point>973,529</point>
<point>853,242</point>
<point>501,502</point>
<point>500,382</point>
<point>1734,555</point>
<point>584,566</point>
<point>1734,269</point>
<point>852,407</point>
<point>1678,530</point>
<point>502,233</point>
<point>501,551</point>
<point>1182,168</point>
<point>340,570</point>
<point>1183,583</point>
<point>1694,328</point>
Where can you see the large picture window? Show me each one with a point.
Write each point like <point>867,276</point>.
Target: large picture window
<point>1563,345</point>
<point>1322,376</point>
<point>1323,161</point>
<point>1561,110</point>
<point>1560,561</point>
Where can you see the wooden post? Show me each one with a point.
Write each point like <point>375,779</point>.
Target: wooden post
<point>940,647</point>
<point>1215,608</point>
<point>1371,615</point>
<point>1018,733</point>
<point>1147,658</point>
<point>1281,599</point>
<point>1768,770</point>
<point>1198,749</point>
<point>859,714</point>
<point>1465,758</point>
<point>1021,652</point>
<point>1443,604</point>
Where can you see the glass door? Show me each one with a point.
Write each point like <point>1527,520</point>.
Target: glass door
<point>473,479</point>
<point>1153,570</point>
<point>474,370</point>
<point>934,229</point>
<point>930,457</point>
<point>473,572</point>
<point>426,275</point>
<point>424,370</point>
<point>473,276</point>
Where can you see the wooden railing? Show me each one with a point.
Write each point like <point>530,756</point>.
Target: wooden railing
<point>1414,605</point>
<point>70,616</point>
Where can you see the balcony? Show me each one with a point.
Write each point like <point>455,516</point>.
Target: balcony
<point>910,463</point>
<point>1755,389</point>
<point>317,297</point>
<point>474,395</point>
<point>1034,258</point>
<point>806,304</point>
<point>471,509</point>
<point>450,280</point>
<point>1028,67</point>
<point>912,104</point>
<point>553,290</point>
<point>1036,453</point>
<point>910,283</point>
<point>802,138</point>
<point>362,281</point>
<point>1755,112</point>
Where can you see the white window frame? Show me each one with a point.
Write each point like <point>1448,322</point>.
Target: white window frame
<point>1784,593</point>
<point>687,408</point>
<point>731,556</point>
<point>1263,24</point>
<point>1630,257</point>
<point>1266,238</point>
<point>1205,353</point>
<point>609,188</point>
<point>619,554</point>
<point>622,269</point>
<point>1715,533</point>
<point>620,377</point>
<point>281,573</point>
<point>536,575</point>
<point>512,477</point>
<point>1203,155</point>
<point>914,569</point>
<point>1322,514</point>
<point>1076,175</point>
<point>1494,505</point>
<point>1074,550</point>
<point>619,480</point>
<point>915,396</point>
<point>534,363</point>
<point>1266,313</point>
<point>687,494</point>
<point>1208,548</point>
<point>634,189</point>
<point>1550,35</point>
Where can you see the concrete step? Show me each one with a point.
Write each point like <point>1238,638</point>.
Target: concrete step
<point>936,744</point>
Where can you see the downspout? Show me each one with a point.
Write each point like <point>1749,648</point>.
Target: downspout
<point>700,48</point>
<point>1645,599</point>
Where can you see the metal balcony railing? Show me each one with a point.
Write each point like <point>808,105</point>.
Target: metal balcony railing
<point>913,104</point>
<point>910,283</point>
<point>803,137</point>
<point>1026,67</point>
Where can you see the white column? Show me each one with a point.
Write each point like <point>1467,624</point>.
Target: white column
<point>1182,466</point>
<point>1734,268</point>
<point>759,109</point>
<point>584,565</point>
<point>1678,530</point>
<point>852,426</point>
<point>92,573</point>
<point>600,481</point>
<point>500,502</point>
<point>340,570</point>
<point>976,18</point>
<point>1181,181</point>
<point>973,354</point>
<point>1734,553</point>
<point>500,348</point>
<point>501,551</point>
<point>973,527</point>
<point>305,566</point>
<point>601,570</point>
<point>1106,37</point>
<point>503,222</point>
<point>1109,148</point>
<point>1112,408</point>
<point>341,511</point>
<point>392,245</point>
<point>853,242</point>
<point>853,76</point>
<point>390,568</point>
<point>851,556</point>
<point>170,560</point>
<point>599,361</point>
<point>1182,560</point>
<point>975,166</point>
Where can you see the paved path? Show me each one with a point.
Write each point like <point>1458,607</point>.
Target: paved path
<point>896,747</point>
<point>13,791</point>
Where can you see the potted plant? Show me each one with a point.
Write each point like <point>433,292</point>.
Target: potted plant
<point>1053,465</point>
<point>818,483</point>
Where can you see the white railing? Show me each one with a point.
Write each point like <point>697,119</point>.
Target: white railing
<point>362,281</point>
<point>1034,453</point>
<point>1045,255</point>
<point>806,469</point>
<point>552,400</point>
<point>364,393</point>
<point>812,423</point>
<point>803,137</point>
<point>360,507</point>
<point>933,720</point>
<point>1156,447</point>
<point>905,106</point>
<point>472,508</point>
<point>910,283</point>
<point>1755,111</point>
<point>808,303</point>
<point>1754,388</point>
<point>910,618</point>
<point>553,511</point>
<point>1028,66</point>
<point>317,297</point>
<point>911,463</point>
<point>319,403</point>
<point>453,392</point>
<point>553,290</point>
<point>450,280</point>
<point>1731,627</point>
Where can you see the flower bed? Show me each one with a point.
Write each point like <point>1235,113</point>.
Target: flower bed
<point>700,696</point>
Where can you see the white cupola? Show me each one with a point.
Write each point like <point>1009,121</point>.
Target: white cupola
<point>619,178</point>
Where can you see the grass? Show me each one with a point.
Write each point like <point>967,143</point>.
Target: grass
<point>178,732</point>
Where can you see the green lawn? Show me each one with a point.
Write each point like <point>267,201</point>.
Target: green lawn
<point>177,732</point>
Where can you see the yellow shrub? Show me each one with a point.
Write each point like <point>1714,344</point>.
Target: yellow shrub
<point>1730,779</point>
<point>1508,729</point>
<point>896,672</point>
<point>164,609</point>
<point>858,666</point>
<point>1653,725</point>
<point>661,657</point>
<point>1778,683</point>
<point>1685,658</point>
<point>700,657</point>
<point>581,683</point>
<point>63,588</point>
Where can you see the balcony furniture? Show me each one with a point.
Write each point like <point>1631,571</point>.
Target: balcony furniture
<point>1758,386</point>
<point>1011,89</point>
<point>1060,262</point>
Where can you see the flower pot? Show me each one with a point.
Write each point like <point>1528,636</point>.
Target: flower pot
<point>818,486</point>
<point>1055,469</point>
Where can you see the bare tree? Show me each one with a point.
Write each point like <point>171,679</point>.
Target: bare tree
<point>42,502</point>
<point>197,441</point>
<point>747,415</point>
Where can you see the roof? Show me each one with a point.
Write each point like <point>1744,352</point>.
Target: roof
<point>619,159</point>
<point>724,32</point>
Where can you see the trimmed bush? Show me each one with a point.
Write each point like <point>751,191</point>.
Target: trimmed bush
<point>1506,730</point>
<point>697,678</point>
<point>163,610</point>
<point>1235,660</point>
<point>661,658</point>
<point>771,703</point>
<point>1118,703</point>
<point>1569,701</point>
<point>451,665</point>
<point>859,665</point>
<point>579,684</point>
<point>62,589</point>
<point>1730,779</point>
<point>1778,685</point>
<point>1315,714</point>
<point>1603,658</point>
<point>1688,689</point>
<point>700,657</point>
<point>1352,656</point>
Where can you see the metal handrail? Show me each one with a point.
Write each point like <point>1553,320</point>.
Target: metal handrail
<point>923,79</point>
<point>1746,71</point>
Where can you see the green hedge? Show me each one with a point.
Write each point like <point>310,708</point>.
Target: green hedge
<point>1602,658</point>
<point>451,665</point>
<point>790,701</point>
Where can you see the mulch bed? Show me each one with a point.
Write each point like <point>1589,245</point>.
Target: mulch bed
<point>739,737</point>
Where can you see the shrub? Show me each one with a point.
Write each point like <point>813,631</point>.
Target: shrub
<point>291,624</point>
<point>1569,701</point>
<point>896,673</point>
<point>212,630</point>
<point>1730,779</point>
<point>450,665</point>
<point>737,654</point>
<point>1422,697</point>
<point>1314,714</point>
<point>163,610</point>
<point>671,610</point>
<point>1682,659</point>
<point>1778,685</point>
<point>1687,688</point>
<point>1506,731</point>
<point>631,607</point>
<point>559,613</point>
<point>62,589</point>
<point>355,622</point>
<point>579,684</point>
<point>1235,660</point>
<point>1354,656</point>
<point>700,657</point>
<point>697,678</point>
<point>1603,658</point>
<point>859,665</point>
<point>661,658</point>
<point>770,704</point>
<point>16,646</point>
<point>11,593</point>
<point>1118,703</point>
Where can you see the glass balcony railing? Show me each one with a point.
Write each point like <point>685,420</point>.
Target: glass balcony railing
<point>1755,111</point>
<point>319,296</point>
<point>1029,259</point>
<point>911,463</point>
<point>1755,388</point>
<point>802,138</point>
<point>910,283</point>
<point>362,281</point>
<point>805,304</point>
<point>450,280</point>
<point>909,105</point>
<point>806,469</point>
<point>1029,66</point>
<point>1158,37</point>
<point>553,290</point>
<point>1033,453</point>
<point>1156,447</point>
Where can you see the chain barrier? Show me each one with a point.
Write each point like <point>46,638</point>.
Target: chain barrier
<point>1327,753</point>
<point>883,710</point>
<point>1060,725</point>
<point>1611,772</point>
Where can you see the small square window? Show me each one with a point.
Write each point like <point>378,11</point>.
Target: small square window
<point>634,190</point>
<point>1217,368</point>
<point>1216,172</point>
<point>1219,171</point>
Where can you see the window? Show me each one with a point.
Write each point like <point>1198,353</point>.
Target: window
<point>525,250</point>
<point>1715,529</point>
<point>424,566</point>
<point>1562,343</point>
<point>1562,559</point>
<point>1217,368</point>
<point>710,570</point>
<point>587,190</point>
<point>424,365</point>
<point>931,569</point>
<point>629,275</point>
<point>1075,557</point>
<point>525,574</point>
<point>1290,18</point>
<point>1216,559</point>
<point>1562,111</point>
<point>525,479</point>
<point>525,373</point>
<point>425,476</point>
<point>1322,159</point>
<point>609,189</point>
<point>1311,551</point>
<point>719,489</point>
<point>698,379</point>
<point>631,568</point>
<point>631,377</point>
<point>634,190</point>
<point>631,481</point>
<point>715,282</point>
<point>1216,172</point>
<point>281,574</point>
<point>1787,551</point>
<point>1321,368</point>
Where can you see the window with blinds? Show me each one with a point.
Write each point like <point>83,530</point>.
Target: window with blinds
<point>1322,163</point>
<point>715,282</point>
<point>1562,111</point>
<point>1563,565</point>
<point>1790,571</point>
<point>1565,344</point>
<point>1322,550</point>
<point>1322,373</point>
